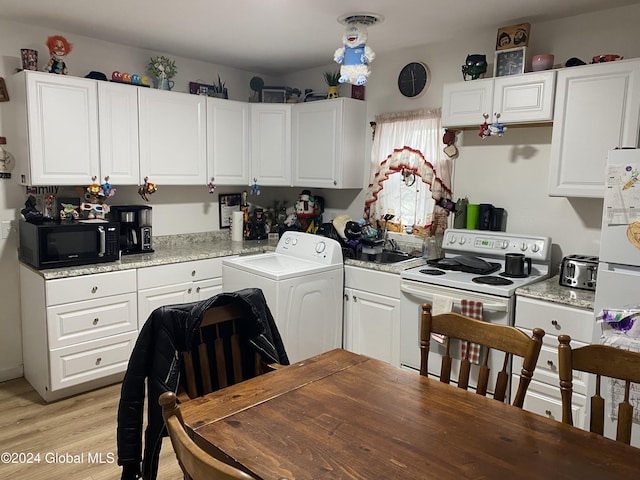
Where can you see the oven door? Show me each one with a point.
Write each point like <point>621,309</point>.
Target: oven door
<point>413,294</point>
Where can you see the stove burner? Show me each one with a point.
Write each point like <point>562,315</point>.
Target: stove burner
<point>496,281</point>
<point>432,271</point>
<point>510,275</point>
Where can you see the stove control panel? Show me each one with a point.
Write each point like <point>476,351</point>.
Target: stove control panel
<point>497,244</point>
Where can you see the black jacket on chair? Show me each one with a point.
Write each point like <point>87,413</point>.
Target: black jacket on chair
<point>156,360</point>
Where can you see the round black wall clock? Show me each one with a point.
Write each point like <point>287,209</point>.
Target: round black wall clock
<point>414,79</point>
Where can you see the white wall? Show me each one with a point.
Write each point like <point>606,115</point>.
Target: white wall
<point>509,171</point>
<point>517,162</point>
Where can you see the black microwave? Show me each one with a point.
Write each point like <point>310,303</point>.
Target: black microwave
<point>67,244</point>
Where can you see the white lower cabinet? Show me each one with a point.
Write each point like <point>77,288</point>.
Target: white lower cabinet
<point>372,314</point>
<point>543,396</point>
<point>77,333</point>
<point>177,283</point>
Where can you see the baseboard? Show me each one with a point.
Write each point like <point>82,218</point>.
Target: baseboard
<point>11,373</point>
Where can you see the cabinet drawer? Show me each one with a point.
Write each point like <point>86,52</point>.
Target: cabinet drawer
<point>547,367</point>
<point>92,360</point>
<point>372,281</point>
<point>160,275</point>
<point>99,285</point>
<point>555,319</point>
<point>545,400</point>
<point>78,322</point>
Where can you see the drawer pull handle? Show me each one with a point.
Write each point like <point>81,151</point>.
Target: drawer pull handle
<point>95,321</point>
<point>346,297</point>
<point>94,289</point>
<point>198,290</point>
<point>98,360</point>
<point>189,291</point>
<point>548,413</point>
<point>555,323</point>
<point>193,273</point>
<point>355,299</point>
<point>550,363</point>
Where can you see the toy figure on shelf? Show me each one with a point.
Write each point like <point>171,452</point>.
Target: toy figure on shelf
<point>106,189</point>
<point>69,212</point>
<point>94,210</point>
<point>58,47</point>
<point>354,56</point>
<point>255,188</point>
<point>211,185</point>
<point>484,128</point>
<point>147,189</point>
<point>475,67</point>
<point>30,213</point>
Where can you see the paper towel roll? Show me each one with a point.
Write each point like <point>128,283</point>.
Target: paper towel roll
<point>237,225</point>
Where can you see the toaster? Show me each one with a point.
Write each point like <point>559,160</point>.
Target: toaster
<point>579,271</point>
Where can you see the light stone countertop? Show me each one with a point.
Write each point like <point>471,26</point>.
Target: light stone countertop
<point>167,250</point>
<point>550,290</point>
<point>199,246</point>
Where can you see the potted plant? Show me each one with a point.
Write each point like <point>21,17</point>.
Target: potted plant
<point>164,69</point>
<point>331,78</point>
<point>219,89</point>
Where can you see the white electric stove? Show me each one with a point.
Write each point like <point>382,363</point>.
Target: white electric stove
<point>473,268</point>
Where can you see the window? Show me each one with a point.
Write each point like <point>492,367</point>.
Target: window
<point>409,170</point>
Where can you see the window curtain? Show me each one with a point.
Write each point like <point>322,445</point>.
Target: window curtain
<point>407,146</point>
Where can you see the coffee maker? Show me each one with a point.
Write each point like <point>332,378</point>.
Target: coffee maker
<point>135,228</point>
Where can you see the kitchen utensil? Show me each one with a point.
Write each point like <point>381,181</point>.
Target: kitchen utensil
<point>579,271</point>
<point>484,217</point>
<point>473,216</point>
<point>514,265</point>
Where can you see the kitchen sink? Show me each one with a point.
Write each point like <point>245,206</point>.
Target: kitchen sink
<point>387,256</point>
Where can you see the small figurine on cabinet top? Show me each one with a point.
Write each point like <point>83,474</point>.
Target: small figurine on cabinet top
<point>355,56</point>
<point>475,67</point>
<point>58,47</point>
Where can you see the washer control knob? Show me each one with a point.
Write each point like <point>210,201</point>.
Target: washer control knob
<point>320,247</point>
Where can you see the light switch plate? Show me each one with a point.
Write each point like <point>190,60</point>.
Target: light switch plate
<point>7,228</point>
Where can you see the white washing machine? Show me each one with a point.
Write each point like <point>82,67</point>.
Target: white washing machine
<point>302,282</point>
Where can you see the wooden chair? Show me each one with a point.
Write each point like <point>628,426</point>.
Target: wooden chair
<point>493,338</point>
<point>602,361</point>
<point>222,356</point>
<point>194,462</point>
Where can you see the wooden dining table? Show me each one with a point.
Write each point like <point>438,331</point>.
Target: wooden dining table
<point>340,415</point>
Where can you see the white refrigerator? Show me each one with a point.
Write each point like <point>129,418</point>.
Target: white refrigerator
<point>618,281</point>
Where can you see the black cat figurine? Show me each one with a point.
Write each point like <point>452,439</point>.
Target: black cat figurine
<point>474,67</point>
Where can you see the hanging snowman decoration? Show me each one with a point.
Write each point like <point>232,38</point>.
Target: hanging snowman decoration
<point>355,56</point>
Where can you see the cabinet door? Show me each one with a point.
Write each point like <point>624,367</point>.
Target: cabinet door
<point>271,144</point>
<point>152,298</point>
<point>228,141</point>
<point>524,98</point>
<point>62,116</point>
<point>597,109</point>
<point>464,103</point>
<point>372,325</point>
<point>173,142</point>
<point>119,149</point>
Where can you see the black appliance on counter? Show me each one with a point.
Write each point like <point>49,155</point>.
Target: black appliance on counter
<point>135,228</point>
<point>68,243</point>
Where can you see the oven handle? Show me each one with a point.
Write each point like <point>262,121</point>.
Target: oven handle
<point>422,295</point>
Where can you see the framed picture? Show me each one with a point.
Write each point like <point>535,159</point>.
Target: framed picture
<point>513,36</point>
<point>228,203</point>
<point>4,94</point>
<point>274,95</point>
<point>509,62</point>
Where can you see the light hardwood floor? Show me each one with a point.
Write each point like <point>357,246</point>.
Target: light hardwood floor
<point>81,429</point>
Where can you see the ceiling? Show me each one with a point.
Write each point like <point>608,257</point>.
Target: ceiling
<point>275,37</point>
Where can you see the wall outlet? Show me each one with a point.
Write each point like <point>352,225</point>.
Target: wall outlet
<point>8,228</point>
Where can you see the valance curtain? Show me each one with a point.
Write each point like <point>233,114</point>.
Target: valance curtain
<point>408,143</point>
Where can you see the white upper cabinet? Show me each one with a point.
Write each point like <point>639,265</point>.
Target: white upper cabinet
<point>173,137</point>
<point>527,98</point>
<point>597,109</point>
<point>329,143</point>
<point>228,141</point>
<point>118,126</point>
<point>271,144</point>
<point>57,129</point>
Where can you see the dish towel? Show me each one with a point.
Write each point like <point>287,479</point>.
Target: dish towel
<point>471,309</point>
<point>441,304</point>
